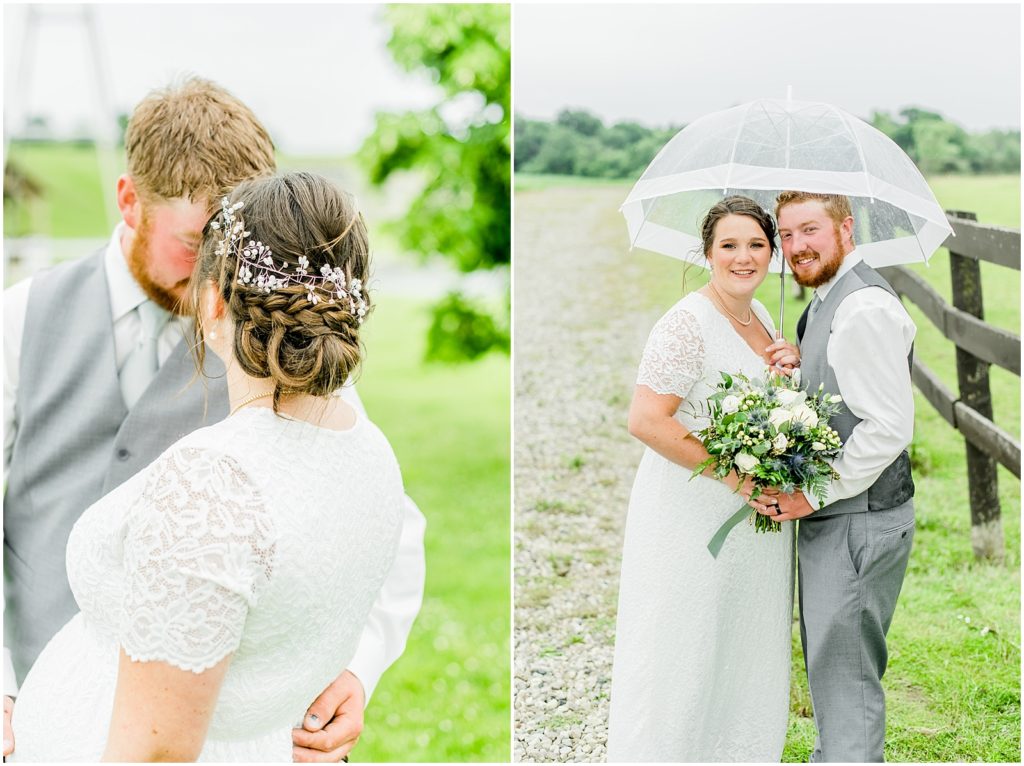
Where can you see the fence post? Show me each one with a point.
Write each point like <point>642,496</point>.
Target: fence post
<point>973,380</point>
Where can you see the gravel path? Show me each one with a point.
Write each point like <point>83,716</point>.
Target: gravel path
<point>583,308</point>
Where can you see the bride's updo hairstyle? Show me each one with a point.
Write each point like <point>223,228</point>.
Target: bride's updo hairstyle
<point>736,205</point>
<point>290,262</point>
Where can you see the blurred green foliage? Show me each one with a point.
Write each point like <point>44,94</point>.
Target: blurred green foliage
<point>461,148</point>
<point>578,143</point>
<point>463,330</point>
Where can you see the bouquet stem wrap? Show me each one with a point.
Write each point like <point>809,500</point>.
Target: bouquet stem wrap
<point>715,546</point>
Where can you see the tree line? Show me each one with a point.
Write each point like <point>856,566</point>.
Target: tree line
<point>578,143</point>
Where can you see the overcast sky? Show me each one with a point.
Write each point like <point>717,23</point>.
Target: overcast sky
<point>669,64</point>
<point>314,74</point>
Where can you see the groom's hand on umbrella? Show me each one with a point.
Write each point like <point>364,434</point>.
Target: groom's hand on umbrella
<point>783,355</point>
<point>332,724</point>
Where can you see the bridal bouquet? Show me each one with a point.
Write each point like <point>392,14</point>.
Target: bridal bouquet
<point>772,431</point>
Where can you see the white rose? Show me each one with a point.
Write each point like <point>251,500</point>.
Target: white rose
<point>779,417</point>
<point>835,398</point>
<point>730,404</point>
<point>817,445</point>
<point>780,443</point>
<point>789,398</point>
<point>746,463</point>
<point>804,414</point>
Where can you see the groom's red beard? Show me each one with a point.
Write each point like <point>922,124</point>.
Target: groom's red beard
<point>827,268</point>
<point>169,299</point>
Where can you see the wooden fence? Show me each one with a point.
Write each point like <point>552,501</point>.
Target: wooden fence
<point>978,346</point>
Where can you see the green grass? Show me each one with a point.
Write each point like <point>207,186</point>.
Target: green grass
<point>534,181</point>
<point>72,201</point>
<point>72,197</point>
<point>447,698</point>
<point>996,199</point>
<point>953,692</point>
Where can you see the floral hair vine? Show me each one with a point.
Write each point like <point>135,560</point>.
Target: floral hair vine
<point>258,269</point>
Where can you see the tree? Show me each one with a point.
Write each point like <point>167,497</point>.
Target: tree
<point>622,135</point>
<point>899,132</point>
<point>580,122</point>
<point>530,137</point>
<point>560,153</point>
<point>997,151</point>
<point>938,146</point>
<point>463,210</point>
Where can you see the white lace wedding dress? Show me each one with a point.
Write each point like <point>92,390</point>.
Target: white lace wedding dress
<point>260,535</point>
<point>702,646</point>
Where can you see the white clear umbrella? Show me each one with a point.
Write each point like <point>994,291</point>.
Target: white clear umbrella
<point>764,147</point>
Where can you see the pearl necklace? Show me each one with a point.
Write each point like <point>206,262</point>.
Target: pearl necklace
<point>718,300</point>
<point>249,400</point>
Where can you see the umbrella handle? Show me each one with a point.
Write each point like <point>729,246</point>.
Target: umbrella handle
<point>782,300</point>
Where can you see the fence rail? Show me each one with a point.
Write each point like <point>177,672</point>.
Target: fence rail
<point>981,242</point>
<point>978,345</point>
<point>991,344</point>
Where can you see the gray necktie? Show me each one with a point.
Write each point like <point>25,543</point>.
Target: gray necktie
<point>141,363</point>
<point>815,305</point>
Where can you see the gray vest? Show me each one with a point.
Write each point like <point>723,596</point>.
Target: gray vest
<point>76,440</point>
<point>895,486</point>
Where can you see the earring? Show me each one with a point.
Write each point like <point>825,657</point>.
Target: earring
<point>212,334</point>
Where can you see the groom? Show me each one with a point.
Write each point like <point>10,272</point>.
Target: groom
<point>96,385</point>
<point>853,543</point>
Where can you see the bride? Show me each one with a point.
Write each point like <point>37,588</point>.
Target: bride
<point>223,586</point>
<point>702,649</point>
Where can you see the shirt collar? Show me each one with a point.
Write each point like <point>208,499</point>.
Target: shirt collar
<point>125,293</point>
<point>852,259</point>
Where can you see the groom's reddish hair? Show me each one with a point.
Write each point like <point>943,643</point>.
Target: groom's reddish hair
<point>193,139</point>
<point>836,205</point>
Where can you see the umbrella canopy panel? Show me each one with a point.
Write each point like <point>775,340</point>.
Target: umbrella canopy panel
<point>761,148</point>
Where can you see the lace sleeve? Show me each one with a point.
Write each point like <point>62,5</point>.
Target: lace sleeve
<point>674,355</point>
<point>198,550</point>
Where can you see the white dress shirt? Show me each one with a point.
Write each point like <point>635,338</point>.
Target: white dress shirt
<point>391,618</point>
<point>871,337</point>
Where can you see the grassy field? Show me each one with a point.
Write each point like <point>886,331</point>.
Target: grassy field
<point>953,681</point>
<point>447,698</point>
<point>72,200</point>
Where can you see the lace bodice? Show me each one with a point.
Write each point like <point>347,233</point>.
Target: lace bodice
<point>688,348</point>
<point>260,536</point>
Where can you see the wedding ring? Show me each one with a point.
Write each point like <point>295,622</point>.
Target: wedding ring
<point>778,511</point>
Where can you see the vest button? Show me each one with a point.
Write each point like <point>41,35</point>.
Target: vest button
<point>123,454</point>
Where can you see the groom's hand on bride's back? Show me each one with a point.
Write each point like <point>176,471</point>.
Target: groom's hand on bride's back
<point>332,724</point>
<point>8,732</point>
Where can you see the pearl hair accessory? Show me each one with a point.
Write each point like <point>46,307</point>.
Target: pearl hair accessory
<point>258,269</point>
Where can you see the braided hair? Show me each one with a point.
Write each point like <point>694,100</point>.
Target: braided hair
<point>304,346</point>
